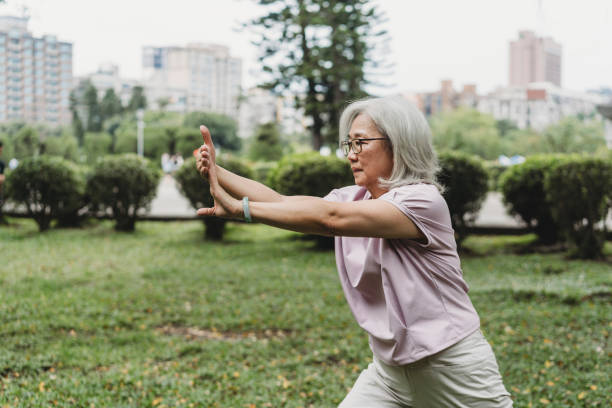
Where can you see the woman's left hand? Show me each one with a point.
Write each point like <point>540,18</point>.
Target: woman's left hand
<point>225,206</point>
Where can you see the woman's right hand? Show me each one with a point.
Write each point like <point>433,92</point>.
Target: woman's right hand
<point>206,159</point>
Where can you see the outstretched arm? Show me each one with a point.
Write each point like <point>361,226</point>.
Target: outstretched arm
<point>370,218</point>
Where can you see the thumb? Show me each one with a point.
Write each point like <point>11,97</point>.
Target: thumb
<point>206,136</point>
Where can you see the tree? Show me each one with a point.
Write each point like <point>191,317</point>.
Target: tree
<point>223,129</point>
<point>92,106</point>
<point>468,131</point>
<point>138,100</point>
<point>571,135</point>
<point>266,143</point>
<point>321,49</point>
<point>26,143</point>
<point>110,104</point>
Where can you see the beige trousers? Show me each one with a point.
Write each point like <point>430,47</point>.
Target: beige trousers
<point>463,375</point>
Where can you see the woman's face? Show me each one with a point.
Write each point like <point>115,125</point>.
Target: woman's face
<point>375,159</point>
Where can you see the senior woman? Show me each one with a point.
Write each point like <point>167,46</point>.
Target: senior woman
<point>396,257</point>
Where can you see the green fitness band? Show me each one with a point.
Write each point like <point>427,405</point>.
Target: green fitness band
<point>245,209</point>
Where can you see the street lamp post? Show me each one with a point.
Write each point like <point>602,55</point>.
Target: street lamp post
<point>141,125</point>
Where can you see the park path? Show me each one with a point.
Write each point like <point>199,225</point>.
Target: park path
<point>169,203</point>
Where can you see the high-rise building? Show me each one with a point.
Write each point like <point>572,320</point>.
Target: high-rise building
<point>204,76</point>
<point>35,75</point>
<point>534,59</point>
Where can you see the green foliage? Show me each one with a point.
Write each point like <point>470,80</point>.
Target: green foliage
<point>121,185</point>
<point>465,180</point>
<point>495,171</point>
<point>310,174</point>
<point>26,143</point>
<point>266,143</point>
<point>262,171</point>
<point>571,135</point>
<point>110,104</point>
<point>188,139</point>
<point>223,129</point>
<point>522,186</point>
<point>468,131</point>
<point>48,187</point>
<point>580,194</point>
<point>138,100</point>
<point>125,140</point>
<point>97,145</point>
<point>324,48</point>
<point>93,112</point>
<point>64,146</point>
<point>197,190</point>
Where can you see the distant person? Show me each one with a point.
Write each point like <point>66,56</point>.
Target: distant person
<point>396,257</point>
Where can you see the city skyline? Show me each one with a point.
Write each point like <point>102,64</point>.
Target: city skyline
<point>468,43</point>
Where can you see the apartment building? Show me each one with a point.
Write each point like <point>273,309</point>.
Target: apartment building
<point>198,77</point>
<point>35,75</point>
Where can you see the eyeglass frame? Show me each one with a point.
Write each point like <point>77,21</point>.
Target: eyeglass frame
<point>351,143</point>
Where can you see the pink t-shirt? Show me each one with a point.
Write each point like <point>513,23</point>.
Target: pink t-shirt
<point>410,297</point>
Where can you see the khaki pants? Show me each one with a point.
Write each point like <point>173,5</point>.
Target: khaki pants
<point>463,375</point>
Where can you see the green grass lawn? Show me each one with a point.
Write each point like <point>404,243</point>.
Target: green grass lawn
<point>95,318</point>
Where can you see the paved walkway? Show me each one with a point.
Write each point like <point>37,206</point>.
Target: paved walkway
<point>169,203</point>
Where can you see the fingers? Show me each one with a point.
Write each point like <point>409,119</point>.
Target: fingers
<point>206,212</point>
<point>206,135</point>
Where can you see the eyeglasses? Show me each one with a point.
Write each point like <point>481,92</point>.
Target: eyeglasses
<point>356,144</point>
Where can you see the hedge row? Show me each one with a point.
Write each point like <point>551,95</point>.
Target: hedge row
<point>559,197</point>
<point>51,188</point>
<point>562,198</point>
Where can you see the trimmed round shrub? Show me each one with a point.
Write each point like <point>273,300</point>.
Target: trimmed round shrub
<point>465,180</point>
<point>75,210</point>
<point>523,192</point>
<point>310,174</point>
<point>580,194</point>
<point>313,175</point>
<point>122,185</point>
<point>197,190</point>
<point>48,187</point>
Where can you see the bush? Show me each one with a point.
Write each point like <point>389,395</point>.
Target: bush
<point>48,187</point>
<point>197,190</point>
<point>73,211</point>
<point>580,193</point>
<point>262,171</point>
<point>522,187</point>
<point>314,175</point>
<point>121,186</point>
<point>310,174</point>
<point>466,184</point>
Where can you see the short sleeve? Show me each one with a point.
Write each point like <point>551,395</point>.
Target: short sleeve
<point>425,206</point>
<point>332,196</point>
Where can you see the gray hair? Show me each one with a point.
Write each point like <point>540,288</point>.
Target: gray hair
<point>414,158</point>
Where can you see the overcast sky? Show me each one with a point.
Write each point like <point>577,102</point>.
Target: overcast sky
<point>466,41</point>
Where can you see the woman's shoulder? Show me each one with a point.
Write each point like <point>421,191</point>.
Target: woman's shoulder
<point>423,191</point>
<point>348,193</point>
